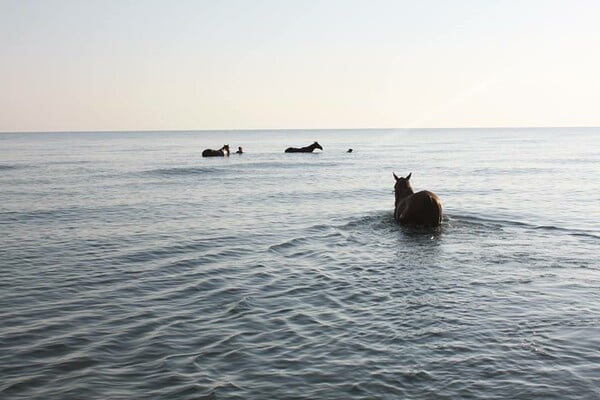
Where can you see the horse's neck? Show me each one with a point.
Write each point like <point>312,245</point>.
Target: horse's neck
<point>312,147</point>
<point>404,194</point>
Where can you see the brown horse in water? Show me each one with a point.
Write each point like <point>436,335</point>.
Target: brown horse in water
<point>422,208</point>
<point>307,149</point>
<point>222,152</point>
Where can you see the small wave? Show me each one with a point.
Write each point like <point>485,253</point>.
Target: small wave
<point>174,249</point>
<point>378,220</point>
<point>242,306</point>
<point>482,221</point>
<point>384,220</point>
<point>475,219</point>
<point>278,248</point>
<point>6,167</point>
<point>569,231</point>
<point>511,171</point>
<point>75,364</point>
<point>239,168</point>
<point>73,213</point>
<point>72,162</point>
<point>288,165</point>
<point>184,171</point>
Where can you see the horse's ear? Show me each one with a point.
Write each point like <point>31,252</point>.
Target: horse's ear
<point>408,177</point>
<point>395,177</point>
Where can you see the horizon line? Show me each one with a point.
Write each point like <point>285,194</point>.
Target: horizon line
<point>297,129</point>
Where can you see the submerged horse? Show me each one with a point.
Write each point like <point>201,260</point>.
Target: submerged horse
<point>222,152</point>
<point>422,208</point>
<point>307,149</point>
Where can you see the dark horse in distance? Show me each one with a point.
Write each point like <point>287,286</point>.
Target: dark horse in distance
<point>422,208</point>
<point>307,149</point>
<point>222,152</point>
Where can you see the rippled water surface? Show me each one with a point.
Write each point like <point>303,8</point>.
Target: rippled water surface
<point>133,268</point>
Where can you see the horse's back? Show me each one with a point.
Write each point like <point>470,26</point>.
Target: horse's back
<point>422,208</point>
<point>431,208</point>
<point>212,153</point>
<point>297,150</point>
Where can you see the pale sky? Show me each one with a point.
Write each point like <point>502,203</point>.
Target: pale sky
<point>267,64</point>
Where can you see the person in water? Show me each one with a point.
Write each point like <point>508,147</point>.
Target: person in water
<point>240,151</point>
<point>349,151</point>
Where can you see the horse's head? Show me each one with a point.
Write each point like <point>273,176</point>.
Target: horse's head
<point>317,145</point>
<point>225,148</point>
<point>402,187</point>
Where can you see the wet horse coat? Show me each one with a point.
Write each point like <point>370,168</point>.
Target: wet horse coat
<point>222,152</point>
<point>423,208</point>
<point>307,149</point>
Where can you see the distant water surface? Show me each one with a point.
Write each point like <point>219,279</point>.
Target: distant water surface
<point>133,268</point>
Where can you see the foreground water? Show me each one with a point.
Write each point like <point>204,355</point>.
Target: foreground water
<point>133,268</point>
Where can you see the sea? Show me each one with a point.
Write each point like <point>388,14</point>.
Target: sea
<point>133,268</point>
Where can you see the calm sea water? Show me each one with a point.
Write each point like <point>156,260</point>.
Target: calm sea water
<point>132,268</point>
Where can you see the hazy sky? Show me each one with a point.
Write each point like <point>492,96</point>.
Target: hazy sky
<point>252,64</point>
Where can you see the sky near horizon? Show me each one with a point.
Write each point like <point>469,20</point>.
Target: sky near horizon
<point>267,64</point>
